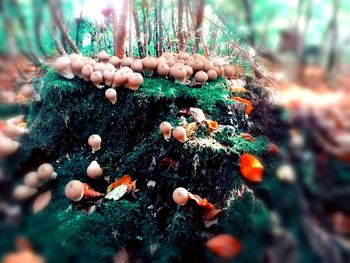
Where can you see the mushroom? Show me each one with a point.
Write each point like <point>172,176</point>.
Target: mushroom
<point>137,66</point>
<point>229,71</point>
<point>208,66</point>
<point>110,66</point>
<point>134,81</point>
<point>86,71</point>
<point>126,61</point>
<point>149,64</point>
<point>100,67</point>
<point>108,76</point>
<point>163,69</point>
<point>182,55</point>
<point>170,62</point>
<point>94,170</point>
<point>165,128</point>
<point>31,179</point>
<point>7,146</point>
<point>128,71</point>
<point>189,70</point>
<point>28,91</point>
<point>180,196</point>
<point>63,66</point>
<point>76,190</point>
<point>212,75</point>
<point>119,78</point>
<point>201,77</point>
<point>42,201</point>
<point>115,61</point>
<point>74,56</point>
<point>13,130</point>
<point>197,66</point>
<point>111,95</point>
<point>103,56</point>
<point>218,70</point>
<point>95,142</point>
<point>77,66</point>
<point>179,133</point>
<point>178,73</point>
<point>97,78</point>
<point>46,172</point>
<point>22,192</point>
<point>89,61</point>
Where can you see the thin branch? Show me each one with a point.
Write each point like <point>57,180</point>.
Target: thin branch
<point>244,53</point>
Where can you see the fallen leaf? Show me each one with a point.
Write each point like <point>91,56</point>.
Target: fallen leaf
<point>224,245</point>
<point>247,136</point>
<point>251,168</point>
<point>248,104</point>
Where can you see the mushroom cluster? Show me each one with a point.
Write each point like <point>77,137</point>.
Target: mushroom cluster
<point>105,70</point>
<point>115,72</point>
<point>32,182</point>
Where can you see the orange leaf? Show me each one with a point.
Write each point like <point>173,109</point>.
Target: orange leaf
<point>210,214</point>
<point>212,125</point>
<point>247,136</point>
<point>125,179</point>
<point>251,168</point>
<point>224,245</point>
<point>200,201</point>
<point>248,108</point>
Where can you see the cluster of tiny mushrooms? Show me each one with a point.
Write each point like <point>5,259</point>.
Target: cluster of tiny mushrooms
<point>114,72</point>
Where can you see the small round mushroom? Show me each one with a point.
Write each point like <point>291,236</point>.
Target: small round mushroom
<point>74,190</point>
<point>27,91</point>
<point>89,61</point>
<point>149,64</point>
<point>182,55</point>
<point>163,69</point>
<point>128,71</point>
<point>108,76</point>
<point>134,81</point>
<point>179,133</point>
<point>110,66</point>
<point>201,77</point>
<point>165,128</point>
<point>42,201</point>
<point>218,70</point>
<point>137,66</point>
<point>189,70</point>
<point>170,62</point>
<point>13,131</point>
<point>115,61</point>
<point>97,78</point>
<point>212,75</point>
<point>94,170</point>
<point>95,142</point>
<point>100,67</point>
<point>229,71</point>
<point>22,192</point>
<point>103,56</point>
<point>207,66</point>
<point>46,172</point>
<point>178,73</point>
<point>126,61</point>
<point>197,66</point>
<point>86,71</point>
<point>7,146</point>
<point>74,56</point>
<point>31,179</point>
<point>180,196</point>
<point>111,95</point>
<point>77,65</point>
<point>119,78</point>
<point>63,66</point>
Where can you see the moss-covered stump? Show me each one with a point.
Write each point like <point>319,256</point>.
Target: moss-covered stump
<point>151,226</point>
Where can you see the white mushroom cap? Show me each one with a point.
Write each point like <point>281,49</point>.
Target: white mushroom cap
<point>100,67</point>
<point>137,66</point>
<point>63,66</point>
<point>12,130</point>
<point>135,80</point>
<point>103,56</point>
<point>126,61</point>
<point>31,179</point>
<point>165,128</point>
<point>119,78</point>
<point>77,66</point>
<point>7,146</point>
<point>180,196</point>
<point>115,61</point>
<point>111,95</point>
<point>179,133</point>
<point>46,172</point>
<point>89,61</point>
<point>27,91</point>
<point>22,192</point>
<point>108,75</point>
<point>95,142</point>
<point>74,56</point>
<point>86,71</point>
<point>94,170</point>
<point>97,78</point>
<point>74,190</point>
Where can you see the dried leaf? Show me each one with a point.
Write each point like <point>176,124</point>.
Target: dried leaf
<point>248,104</point>
<point>247,136</point>
<point>224,245</point>
<point>197,114</point>
<point>251,168</point>
<point>117,192</point>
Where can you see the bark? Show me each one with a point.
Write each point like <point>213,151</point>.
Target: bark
<point>180,35</point>
<point>53,5</point>
<point>138,33</point>
<point>131,7</point>
<point>115,29</point>
<point>334,36</point>
<point>248,7</point>
<point>146,27</point>
<point>37,12</point>
<point>121,35</point>
<point>78,21</point>
<point>160,24</point>
<point>156,26</point>
<point>198,27</point>
<point>57,43</point>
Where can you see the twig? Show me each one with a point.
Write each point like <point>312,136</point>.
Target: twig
<point>245,54</point>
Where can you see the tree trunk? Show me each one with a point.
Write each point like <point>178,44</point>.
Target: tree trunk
<point>180,35</point>
<point>138,33</point>
<point>334,36</point>
<point>248,7</point>
<point>160,24</point>
<point>37,12</point>
<point>122,30</point>
<point>53,5</point>
<point>115,29</point>
<point>78,21</point>
<point>198,27</point>
<point>131,7</point>
<point>156,26</point>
